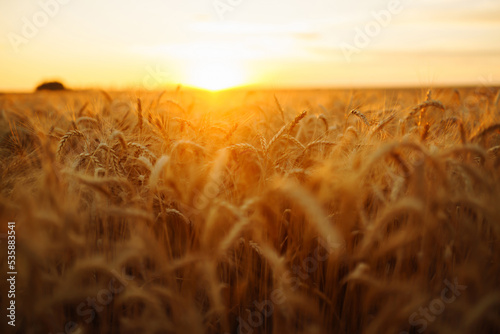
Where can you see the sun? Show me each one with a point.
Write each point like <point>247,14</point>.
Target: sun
<point>216,75</point>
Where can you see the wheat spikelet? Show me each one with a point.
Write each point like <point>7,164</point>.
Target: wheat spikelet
<point>360,115</point>
<point>92,158</point>
<point>293,140</point>
<point>360,273</point>
<point>282,158</point>
<point>145,162</point>
<point>105,147</point>
<point>142,149</point>
<point>157,170</point>
<point>243,147</point>
<point>56,132</point>
<point>428,95</point>
<point>296,121</point>
<point>218,128</point>
<point>317,143</point>
<point>325,122</point>
<point>68,136</point>
<point>175,213</point>
<point>99,172</point>
<point>231,132</point>
<point>426,104</point>
<point>422,107</point>
<point>493,151</point>
<point>287,127</point>
<point>382,124</point>
<point>353,130</point>
<point>262,141</point>
<point>430,103</point>
<point>106,95</point>
<point>255,247</point>
<point>177,105</point>
<point>297,171</point>
<point>275,138</point>
<point>87,119</point>
<point>80,111</point>
<point>117,169</point>
<point>184,122</point>
<point>121,138</point>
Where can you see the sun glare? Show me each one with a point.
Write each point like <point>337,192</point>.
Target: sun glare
<point>216,75</point>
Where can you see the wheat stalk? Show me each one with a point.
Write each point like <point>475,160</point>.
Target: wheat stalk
<point>280,109</point>
<point>140,120</point>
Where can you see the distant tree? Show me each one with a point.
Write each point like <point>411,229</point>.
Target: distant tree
<point>53,85</point>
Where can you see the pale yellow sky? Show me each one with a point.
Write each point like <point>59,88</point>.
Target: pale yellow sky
<point>221,43</point>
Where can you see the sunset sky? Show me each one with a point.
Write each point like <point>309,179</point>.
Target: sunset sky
<point>223,43</point>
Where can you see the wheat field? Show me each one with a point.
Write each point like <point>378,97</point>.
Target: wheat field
<point>329,211</point>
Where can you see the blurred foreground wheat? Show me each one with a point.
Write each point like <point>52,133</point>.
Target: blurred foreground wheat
<point>315,212</point>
